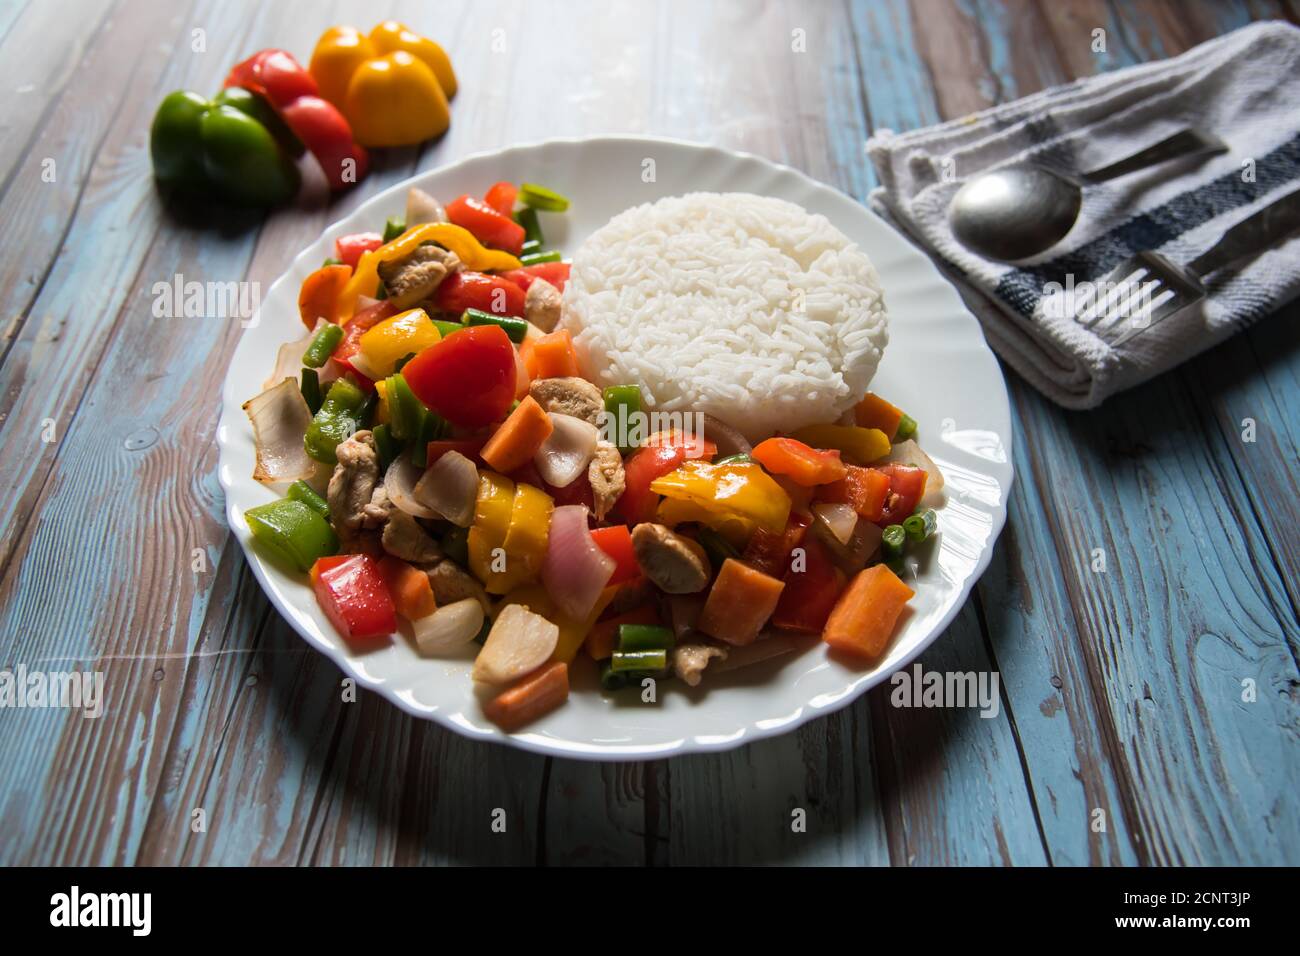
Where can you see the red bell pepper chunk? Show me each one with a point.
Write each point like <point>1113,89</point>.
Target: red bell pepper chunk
<point>638,503</point>
<point>501,197</point>
<point>348,249</point>
<point>803,464</point>
<point>769,551</point>
<point>353,595</point>
<point>478,290</point>
<point>616,541</point>
<point>556,273</point>
<point>906,486</point>
<point>488,226</point>
<point>809,594</point>
<point>360,323</point>
<point>863,488</point>
<point>467,378</point>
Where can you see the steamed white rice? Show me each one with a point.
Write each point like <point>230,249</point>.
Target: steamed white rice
<point>740,306</point>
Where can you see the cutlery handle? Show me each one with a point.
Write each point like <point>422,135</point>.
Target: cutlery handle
<point>1188,142</point>
<point>1257,232</point>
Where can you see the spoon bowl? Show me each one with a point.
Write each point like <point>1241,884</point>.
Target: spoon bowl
<point>1013,214</point>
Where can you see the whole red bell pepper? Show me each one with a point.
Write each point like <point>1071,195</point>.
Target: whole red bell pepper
<point>353,595</point>
<point>349,249</point>
<point>291,90</point>
<point>478,290</point>
<point>809,594</point>
<point>488,226</point>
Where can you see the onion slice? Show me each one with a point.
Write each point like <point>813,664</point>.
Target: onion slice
<point>399,483</point>
<point>448,628</point>
<point>840,519</point>
<point>422,208</point>
<point>449,488</point>
<point>519,643</point>
<point>280,417</point>
<point>575,570</point>
<point>729,441</point>
<point>288,361</point>
<point>567,451</point>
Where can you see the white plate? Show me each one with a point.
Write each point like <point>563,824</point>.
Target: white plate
<point>937,367</point>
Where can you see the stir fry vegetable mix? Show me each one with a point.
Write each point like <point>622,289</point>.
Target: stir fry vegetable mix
<point>464,487</point>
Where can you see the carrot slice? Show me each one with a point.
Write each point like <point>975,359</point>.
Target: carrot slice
<point>874,412</point>
<point>553,356</point>
<point>739,603</point>
<point>517,439</point>
<point>409,588</point>
<point>538,693</point>
<point>864,617</point>
<point>319,296</point>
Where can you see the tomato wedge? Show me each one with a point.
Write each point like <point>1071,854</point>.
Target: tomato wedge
<point>348,249</point>
<point>906,486</point>
<point>501,197</point>
<point>468,378</point>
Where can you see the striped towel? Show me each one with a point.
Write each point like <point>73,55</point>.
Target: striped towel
<point>1240,87</point>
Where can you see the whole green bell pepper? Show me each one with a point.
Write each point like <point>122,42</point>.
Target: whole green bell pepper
<point>197,144</point>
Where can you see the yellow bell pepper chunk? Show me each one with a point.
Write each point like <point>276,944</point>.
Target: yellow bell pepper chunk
<point>735,528</point>
<point>381,407</point>
<point>739,488</point>
<point>530,528</point>
<point>861,446</point>
<point>393,339</point>
<point>392,86</point>
<point>472,254</point>
<point>492,508</point>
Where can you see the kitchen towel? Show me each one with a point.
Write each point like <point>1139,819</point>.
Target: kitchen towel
<point>1240,87</point>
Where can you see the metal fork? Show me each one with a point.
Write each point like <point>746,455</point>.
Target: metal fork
<point>1148,288</point>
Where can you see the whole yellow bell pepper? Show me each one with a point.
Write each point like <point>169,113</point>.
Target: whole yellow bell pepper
<point>392,339</point>
<point>861,446</point>
<point>472,254</point>
<point>392,86</point>
<point>743,489</point>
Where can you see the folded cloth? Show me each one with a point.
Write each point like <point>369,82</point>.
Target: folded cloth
<point>1240,87</point>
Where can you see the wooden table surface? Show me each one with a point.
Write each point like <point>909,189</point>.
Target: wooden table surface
<point>1126,736</point>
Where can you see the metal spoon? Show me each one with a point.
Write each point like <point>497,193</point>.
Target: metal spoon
<point>1012,214</point>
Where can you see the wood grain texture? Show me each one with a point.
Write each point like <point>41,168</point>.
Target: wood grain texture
<point>1121,691</point>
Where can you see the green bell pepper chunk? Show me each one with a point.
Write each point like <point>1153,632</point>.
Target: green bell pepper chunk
<point>623,404</point>
<point>199,145</point>
<point>338,418</point>
<point>301,491</point>
<point>292,532</point>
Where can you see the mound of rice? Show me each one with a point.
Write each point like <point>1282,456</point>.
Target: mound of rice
<point>744,307</point>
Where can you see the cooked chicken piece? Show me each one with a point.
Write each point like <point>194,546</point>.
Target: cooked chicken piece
<point>452,583</point>
<point>375,514</point>
<point>404,538</point>
<point>689,660</point>
<point>418,275</point>
<point>351,487</point>
<point>569,396</point>
<point>676,565</point>
<point>542,305</point>
<point>605,473</point>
